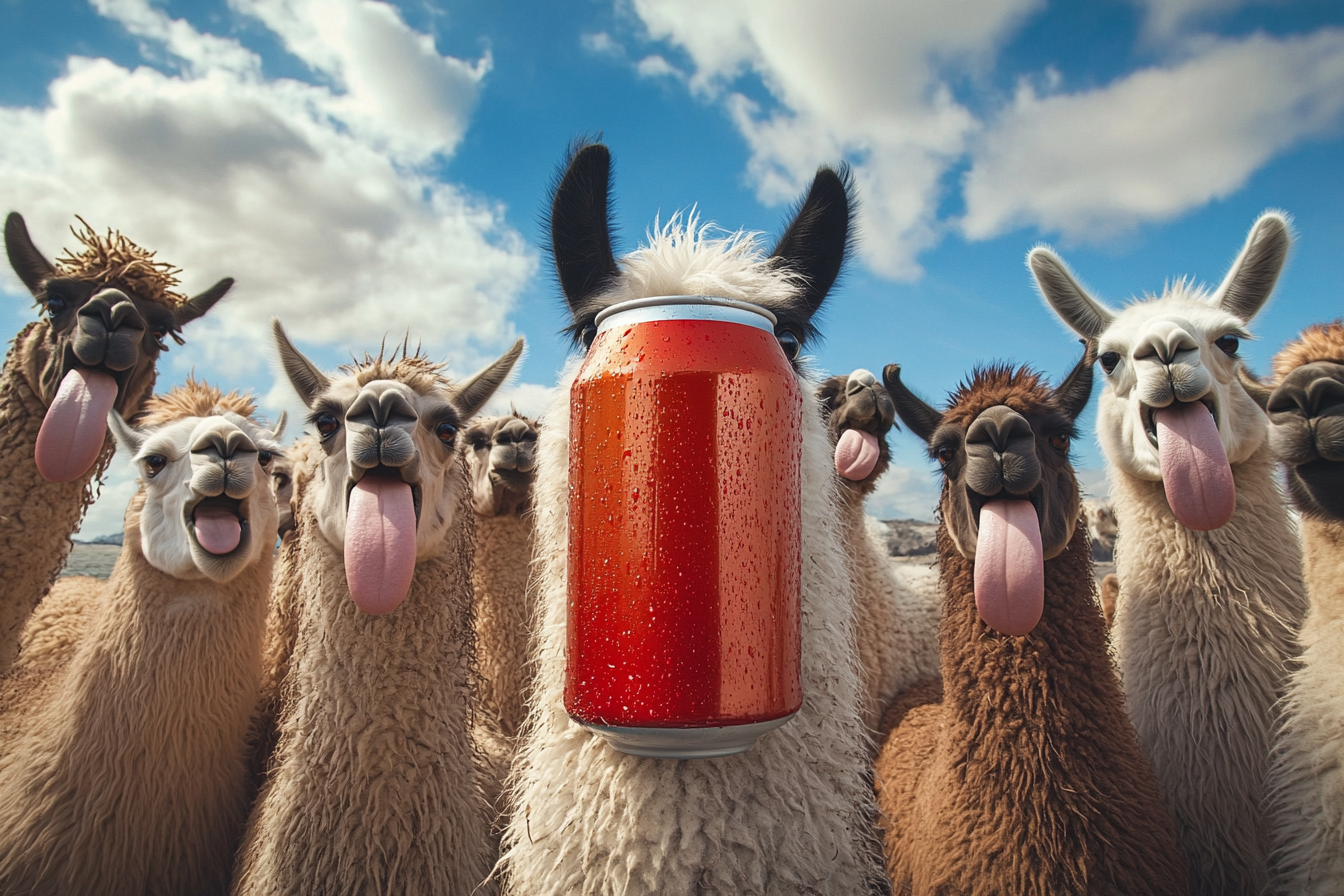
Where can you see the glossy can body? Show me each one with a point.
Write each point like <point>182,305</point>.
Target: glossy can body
<point>685,529</point>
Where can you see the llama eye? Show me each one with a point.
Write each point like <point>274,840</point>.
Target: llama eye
<point>1060,443</point>
<point>264,458</point>
<point>587,336</point>
<point>945,455</point>
<point>326,424</point>
<point>1228,344</point>
<point>154,465</point>
<point>446,432</point>
<point>1109,360</point>
<point>790,343</point>
<point>56,306</point>
<point>281,480</point>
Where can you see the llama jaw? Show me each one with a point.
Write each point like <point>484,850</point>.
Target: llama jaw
<point>220,535</point>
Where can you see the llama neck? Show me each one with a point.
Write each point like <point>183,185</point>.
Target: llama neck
<point>1036,685</point>
<point>377,721</point>
<point>502,615</point>
<point>37,517</point>
<point>1323,569</point>
<point>154,709</point>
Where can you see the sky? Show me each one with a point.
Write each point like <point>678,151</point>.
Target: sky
<point>368,169</point>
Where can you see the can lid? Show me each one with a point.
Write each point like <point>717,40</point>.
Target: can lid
<point>685,308</point>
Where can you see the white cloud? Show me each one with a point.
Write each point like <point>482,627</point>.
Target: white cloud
<point>860,81</point>
<point>1156,143</point>
<point>905,493</point>
<point>318,197</point>
<point>656,67</point>
<point>872,81</point>
<point>600,43</point>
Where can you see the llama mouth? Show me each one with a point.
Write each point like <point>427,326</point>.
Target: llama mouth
<point>218,527</point>
<point>1149,414</point>
<point>978,501</point>
<point>385,472</point>
<point>121,377</point>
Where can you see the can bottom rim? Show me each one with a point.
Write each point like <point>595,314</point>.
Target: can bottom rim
<point>685,743</point>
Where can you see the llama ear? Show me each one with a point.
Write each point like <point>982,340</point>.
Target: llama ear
<point>306,379</point>
<point>1073,394</point>
<point>1084,314</point>
<point>197,305</point>
<point>127,436</point>
<point>1251,279</point>
<point>818,240</point>
<point>471,396</point>
<point>914,412</point>
<point>581,230</point>
<point>278,430</point>
<point>30,264</point>
<point>1259,392</point>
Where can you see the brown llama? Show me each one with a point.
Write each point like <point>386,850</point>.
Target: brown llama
<point>123,757</point>
<point>108,311</point>
<point>1021,774</point>
<point>374,784</point>
<point>1305,783</point>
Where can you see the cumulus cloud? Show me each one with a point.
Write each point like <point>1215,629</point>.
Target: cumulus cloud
<point>320,198</point>
<point>1156,143</point>
<point>900,89</point>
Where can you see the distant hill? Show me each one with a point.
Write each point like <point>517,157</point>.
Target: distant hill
<point>911,538</point>
<point>101,539</point>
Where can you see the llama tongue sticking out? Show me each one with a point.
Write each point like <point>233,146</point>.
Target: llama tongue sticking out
<point>218,529</point>
<point>379,543</point>
<point>1195,471</point>
<point>73,430</point>
<point>1009,567</point>
<point>856,454</point>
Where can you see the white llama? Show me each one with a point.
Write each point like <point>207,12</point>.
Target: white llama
<point>1209,565</point>
<point>795,814</point>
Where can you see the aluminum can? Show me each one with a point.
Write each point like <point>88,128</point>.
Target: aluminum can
<point>685,531</point>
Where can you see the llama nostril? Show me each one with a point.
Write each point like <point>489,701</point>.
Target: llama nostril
<point>1323,393</point>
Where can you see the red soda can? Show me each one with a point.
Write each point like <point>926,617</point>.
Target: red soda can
<point>685,530</point>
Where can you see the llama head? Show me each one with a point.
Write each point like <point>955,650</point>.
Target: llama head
<point>859,413</point>
<point>209,511</point>
<point>109,311</point>
<point>1170,366</point>
<point>682,257</point>
<point>501,461</point>
<point>387,485</point>
<point>1010,500</point>
<point>282,483</point>
<point>1306,419</point>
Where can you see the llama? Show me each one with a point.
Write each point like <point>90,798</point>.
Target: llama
<point>107,313</point>
<point>124,767</point>
<point>1306,782</point>
<point>1101,529</point>
<point>374,783</point>
<point>794,814</point>
<point>1211,592</point>
<point>896,616</point>
<point>1021,773</point>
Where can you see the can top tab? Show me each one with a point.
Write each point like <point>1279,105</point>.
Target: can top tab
<point>656,308</point>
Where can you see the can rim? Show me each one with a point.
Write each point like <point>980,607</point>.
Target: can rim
<point>651,301</point>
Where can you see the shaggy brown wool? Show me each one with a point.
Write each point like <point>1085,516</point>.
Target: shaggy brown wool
<point>1026,778</point>
<point>1319,342</point>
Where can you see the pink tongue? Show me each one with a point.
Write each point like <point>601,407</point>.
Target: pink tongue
<point>217,530</point>
<point>72,433</point>
<point>1009,567</point>
<point>856,454</point>
<point>380,543</point>
<point>1195,471</point>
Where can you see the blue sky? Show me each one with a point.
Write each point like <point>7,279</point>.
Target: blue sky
<point>364,168</point>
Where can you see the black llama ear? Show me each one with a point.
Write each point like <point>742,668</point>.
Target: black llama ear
<point>1073,394</point>
<point>815,245</point>
<point>31,265</point>
<point>197,305</point>
<point>580,231</point>
<point>915,413</point>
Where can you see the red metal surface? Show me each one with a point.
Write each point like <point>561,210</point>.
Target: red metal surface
<point>684,528</point>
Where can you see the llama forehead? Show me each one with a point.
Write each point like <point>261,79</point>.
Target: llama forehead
<point>1021,389</point>
<point>688,259</point>
<point>1320,342</point>
<point>1194,312</point>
